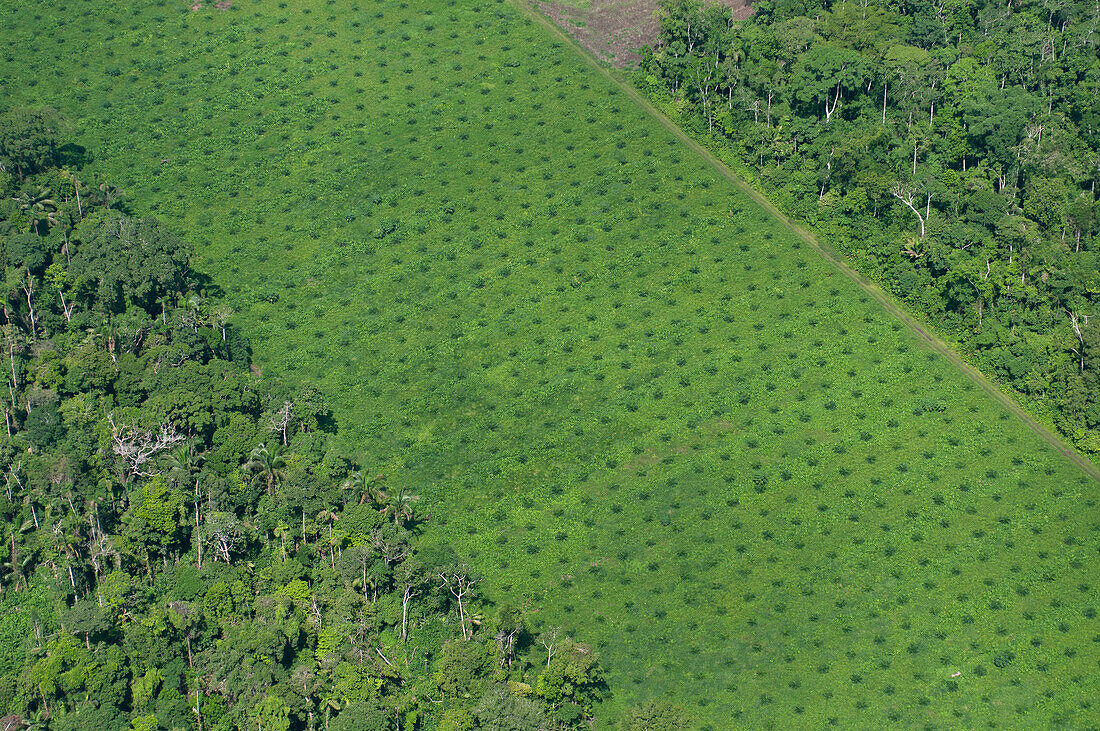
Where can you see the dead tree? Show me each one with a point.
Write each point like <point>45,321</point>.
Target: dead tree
<point>506,643</point>
<point>412,582</point>
<point>225,532</point>
<point>549,640</point>
<point>280,422</point>
<point>906,196</point>
<point>459,581</point>
<point>136,446</point>
<point>1078,322</point>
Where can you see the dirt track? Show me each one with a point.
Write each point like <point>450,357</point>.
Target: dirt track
<point>807,236</point>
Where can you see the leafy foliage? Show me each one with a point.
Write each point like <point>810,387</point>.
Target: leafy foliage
<point>951,155</point>
<point>184,549</point>
<point>621,390</point>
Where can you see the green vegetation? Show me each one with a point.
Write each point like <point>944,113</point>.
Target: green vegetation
<point>160,574</point>
<point>621,390</point>
<point>950,152</point>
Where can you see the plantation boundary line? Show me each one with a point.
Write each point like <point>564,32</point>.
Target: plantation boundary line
<point>838,261</point>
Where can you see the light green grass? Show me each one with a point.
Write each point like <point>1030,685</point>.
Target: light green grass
<point>625,391</point>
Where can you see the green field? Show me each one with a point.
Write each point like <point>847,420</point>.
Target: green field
<point>626,391</point>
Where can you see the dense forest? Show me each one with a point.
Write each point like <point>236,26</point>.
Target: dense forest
<point>948,148</point>
<point>181,548</point>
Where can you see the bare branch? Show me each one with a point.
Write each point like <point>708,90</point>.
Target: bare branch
<point>281,420</point>
<point>459,582</point>
<point>1076,320</point>
<point>907,197</point>
<point>136,447</point>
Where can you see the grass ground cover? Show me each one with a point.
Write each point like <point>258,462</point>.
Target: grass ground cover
<point>632,393</point>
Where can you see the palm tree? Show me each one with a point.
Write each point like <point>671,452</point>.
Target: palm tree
<point>38,206</point>
<point>183,462</point>
<point>164,303</point>
<point>67,537</point>
<point>326,515</point>
<point>193,315</point>
<point>39,721</point>
<point>399,504</point>
<point>282,532</point>
<point>14,571</point>
<point>107,195</point>
<point>373,489</point>
<point>352,485</point>
<point>71,177</point>
<point>267,463</point>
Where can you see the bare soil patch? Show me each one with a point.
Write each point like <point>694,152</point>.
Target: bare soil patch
<point>613,30</point>
<point>196,5</point>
